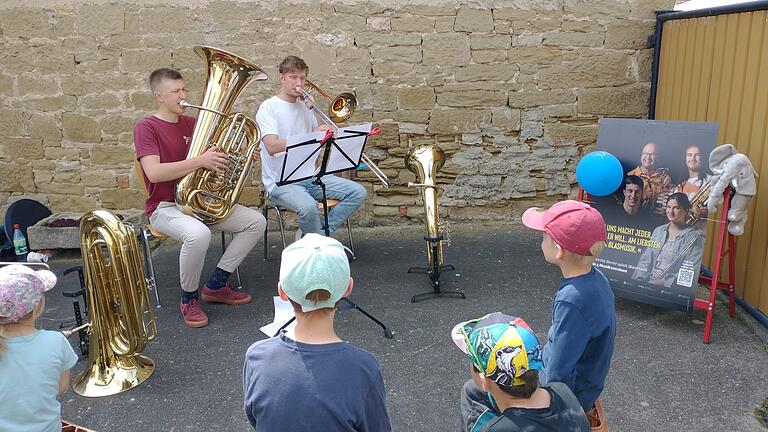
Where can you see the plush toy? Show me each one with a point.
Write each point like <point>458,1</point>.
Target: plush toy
<point>731,167</point>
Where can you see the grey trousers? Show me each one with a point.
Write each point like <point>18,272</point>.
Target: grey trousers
<point>247,224</point>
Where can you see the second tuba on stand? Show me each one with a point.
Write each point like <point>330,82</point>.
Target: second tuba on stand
<point>121,317</point>
<point>204,194</point>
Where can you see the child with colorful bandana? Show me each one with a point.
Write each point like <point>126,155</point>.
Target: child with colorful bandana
<point>580,341</point>
<point>503,393</point>
<point>34,364</point>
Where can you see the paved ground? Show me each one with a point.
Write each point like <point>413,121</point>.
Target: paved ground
<point>662,377</point>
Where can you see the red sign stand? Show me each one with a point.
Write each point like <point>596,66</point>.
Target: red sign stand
<point>714,282</point>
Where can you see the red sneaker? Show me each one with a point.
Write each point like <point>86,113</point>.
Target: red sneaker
<point>193,314</point>
<point>225,295</point>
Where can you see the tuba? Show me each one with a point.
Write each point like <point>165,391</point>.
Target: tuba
<point>122,321</point>
<point>340,109</point>
<point>205,194</point>
<point>425,161</point>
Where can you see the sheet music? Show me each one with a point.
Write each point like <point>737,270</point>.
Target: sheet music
<point>283,312</point>
<point>301,155</point>
<point>351,140</point>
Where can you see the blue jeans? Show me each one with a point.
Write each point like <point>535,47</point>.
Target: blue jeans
<point>302,197</point>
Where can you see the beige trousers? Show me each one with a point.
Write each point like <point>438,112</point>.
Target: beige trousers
<point>247,224</point>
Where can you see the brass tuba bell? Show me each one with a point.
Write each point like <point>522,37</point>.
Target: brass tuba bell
<point>121,318</point>
<point>204,194</point>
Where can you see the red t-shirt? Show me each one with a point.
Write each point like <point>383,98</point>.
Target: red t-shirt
<point>170,141</point>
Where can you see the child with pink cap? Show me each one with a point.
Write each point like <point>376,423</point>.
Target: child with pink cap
<point>34,364</point>
<point>580,341</point>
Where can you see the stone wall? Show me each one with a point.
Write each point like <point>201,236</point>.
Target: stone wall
<point>511,90</point>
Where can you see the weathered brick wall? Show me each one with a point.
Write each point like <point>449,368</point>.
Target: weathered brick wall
<point>512,90</point>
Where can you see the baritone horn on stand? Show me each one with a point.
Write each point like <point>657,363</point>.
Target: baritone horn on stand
<point>425,161</point>
<point>340,109</point>
<point>205,194</point>
<point>121,317</point>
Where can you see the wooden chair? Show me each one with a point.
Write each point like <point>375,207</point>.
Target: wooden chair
<point>150,232</point>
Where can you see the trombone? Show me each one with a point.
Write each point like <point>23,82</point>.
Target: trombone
<point>340,109</point>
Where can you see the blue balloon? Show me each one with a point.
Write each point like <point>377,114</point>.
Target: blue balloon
<point>599,173</point>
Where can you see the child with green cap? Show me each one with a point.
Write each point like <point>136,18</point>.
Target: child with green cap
<point>307,379</point>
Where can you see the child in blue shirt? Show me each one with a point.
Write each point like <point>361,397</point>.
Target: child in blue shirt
<point>34,364</point>
<point>580,341</point>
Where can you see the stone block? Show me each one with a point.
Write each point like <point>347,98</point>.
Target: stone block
<point>444,24</point>
<point>403,115</point>
<point>627,101</point>
<point>72,203</point>
<point>168,20</point>
<point>62,154</point>
<point>457,120</point>
<point>473,20</point>
<point>565,110</point>
<point>489,56</point>
<point>366,8</point>
<point>143,60</point>
<point>378,23</point>
<point>646,9</point>
<point>564,134</point>
<point>416,98</point>
<point>629,34</point>
<point>389,69</point>
<point>102,101</point>
<point>42,237</point>
<point>100,178</point>
<point>353,62</point>
<point>428,10</point>
<point>598,10</point>
<point>43,126</point>
<point>472,98</point>
<point>25,22</point>
<point>446,49</point>
<point>320,59</point>
<point>6,85</point>
<point>377,97</point>
<point>644,61</point>
<point>10,122</point>
<point>533,98</point>
<point>100,20</point>
<point>582,25</point>
<point>486,72</point>
<point>610,69</point>
<point>375,39</point>
<point>533,40</point>
<point>80,128</point>
<point>112,155</point>
<point>140,100</point>
<point>534,55</point>
<point>49,103</point>
<point>122,198</point>
<point>16,177</point>
<point>405,54</point>
<point>571,39</point>
<point>117,124</point>
<point>505,118</point>
<point>37,85</point>
<point>489,41</point>
<point>12,149</point>
<point>537,25</point>
<point>419,24</point>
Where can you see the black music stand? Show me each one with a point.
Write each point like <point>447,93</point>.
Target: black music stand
<point>335,158</point>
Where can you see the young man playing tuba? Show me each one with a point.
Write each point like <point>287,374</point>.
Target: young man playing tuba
<point>162,141</point>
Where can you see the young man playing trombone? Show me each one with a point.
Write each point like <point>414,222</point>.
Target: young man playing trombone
<point>285,115</point>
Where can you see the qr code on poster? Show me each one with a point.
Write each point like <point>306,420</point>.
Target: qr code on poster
<point>685,277</point>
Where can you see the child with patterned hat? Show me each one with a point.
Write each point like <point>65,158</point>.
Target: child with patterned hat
<point>34,364</point>
<point>504,393</point>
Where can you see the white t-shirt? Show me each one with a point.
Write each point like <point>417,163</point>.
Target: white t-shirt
<point>278,117</point>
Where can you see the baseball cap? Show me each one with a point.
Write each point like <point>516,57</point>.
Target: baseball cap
<point>21,289</point>
<point>574,225</point>
<point>312,263</point>
<point>502,347</point>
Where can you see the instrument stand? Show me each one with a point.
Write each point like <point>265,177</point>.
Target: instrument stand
<point>83,336</point>
<point>327,143</point>
<point>434,276</point>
